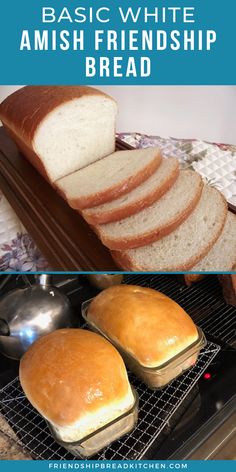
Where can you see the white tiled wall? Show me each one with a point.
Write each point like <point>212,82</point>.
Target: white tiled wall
<point>206,113</point>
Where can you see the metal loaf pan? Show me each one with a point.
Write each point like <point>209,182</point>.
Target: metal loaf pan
<point>102,437</point>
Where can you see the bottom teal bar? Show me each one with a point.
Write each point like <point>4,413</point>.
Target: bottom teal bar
<point>190,466</point>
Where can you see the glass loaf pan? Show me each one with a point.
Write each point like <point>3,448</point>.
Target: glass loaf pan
<point>155,377</point>
<point>102,437</point>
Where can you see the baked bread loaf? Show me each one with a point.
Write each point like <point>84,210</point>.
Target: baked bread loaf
<point>77,381</point>
<point>222,255</point>
<point>143,322</point>
<point>228,283</point>
<point>142,196</point>
<point>157,220</point>
<point>109,178</point>
<point>185,246</point>
<point>60,129</point>
<point>189,279</point>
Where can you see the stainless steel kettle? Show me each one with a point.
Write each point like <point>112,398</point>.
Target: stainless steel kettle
<point>28,313</point>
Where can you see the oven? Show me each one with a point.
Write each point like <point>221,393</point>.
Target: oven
<point>194,417</point>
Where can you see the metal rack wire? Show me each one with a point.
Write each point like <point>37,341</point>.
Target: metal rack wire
<point>156,408</point>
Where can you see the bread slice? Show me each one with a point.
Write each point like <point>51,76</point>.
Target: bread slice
<point>184,247</point>
<point>222,256</point>
<point>109,178</point>
<point>60,129</point>
<point>157,220</point>
<point>139,198</point>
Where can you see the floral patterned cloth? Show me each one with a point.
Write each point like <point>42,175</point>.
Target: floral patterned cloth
<point>215,162</point>
<point>18,251</point>
<point>22,255</point>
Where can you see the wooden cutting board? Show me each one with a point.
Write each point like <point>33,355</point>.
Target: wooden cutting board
<point>65,239</point>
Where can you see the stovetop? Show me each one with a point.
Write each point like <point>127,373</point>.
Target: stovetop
<point>213,399</point>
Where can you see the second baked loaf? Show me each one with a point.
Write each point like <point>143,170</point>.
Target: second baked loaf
<point>145,323</point>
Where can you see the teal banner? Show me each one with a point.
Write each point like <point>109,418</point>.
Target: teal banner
<point>97,466</point>
<point>122,42</point>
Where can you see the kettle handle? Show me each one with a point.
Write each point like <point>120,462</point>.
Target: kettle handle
<point>4,328</point>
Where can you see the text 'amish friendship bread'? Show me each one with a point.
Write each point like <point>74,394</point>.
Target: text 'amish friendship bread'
<point>145,323</point>
<point>76,380</point>
<point>60,129</point>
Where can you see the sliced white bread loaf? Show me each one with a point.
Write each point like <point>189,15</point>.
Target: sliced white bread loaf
<point>109,177</point>
<point>184,247</point>
<point>157,220</point>
<point>60,129</point>
<point>222,255</point>
<point>142,196</point>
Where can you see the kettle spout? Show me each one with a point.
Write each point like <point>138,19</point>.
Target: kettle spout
<point>43,279</point>
<point>4,328</point>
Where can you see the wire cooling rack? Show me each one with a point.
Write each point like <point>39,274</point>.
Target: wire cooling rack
<point>156,409</point>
